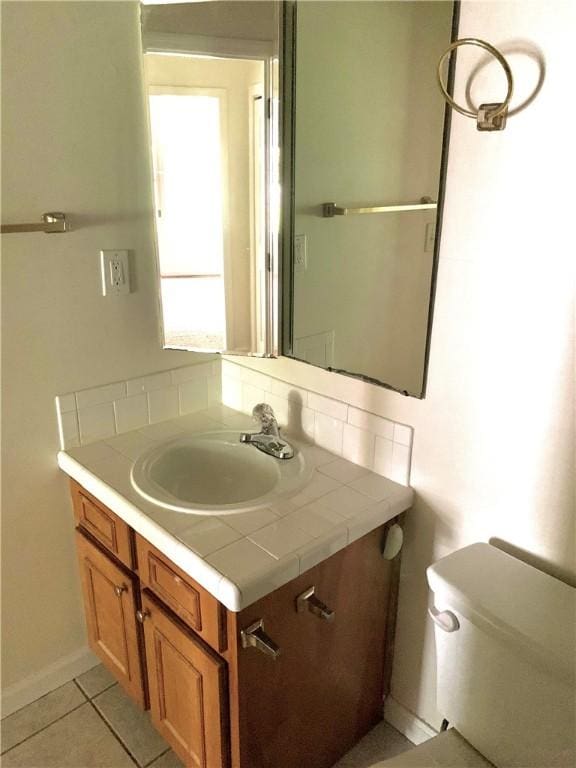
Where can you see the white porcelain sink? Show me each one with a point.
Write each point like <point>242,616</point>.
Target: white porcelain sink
<point>214,473</point>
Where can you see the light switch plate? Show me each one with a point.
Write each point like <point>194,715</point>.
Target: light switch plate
<point>114,272</point>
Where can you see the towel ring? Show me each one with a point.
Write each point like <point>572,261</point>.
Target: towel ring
<point>490,117</point>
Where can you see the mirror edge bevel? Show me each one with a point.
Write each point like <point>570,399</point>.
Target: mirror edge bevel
<point>442,182</point>
<point>287,174</point>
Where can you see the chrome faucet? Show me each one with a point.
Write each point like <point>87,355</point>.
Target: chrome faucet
<point>268,440</point>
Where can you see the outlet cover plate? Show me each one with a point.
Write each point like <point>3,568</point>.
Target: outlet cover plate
<point>114,272</point>
<point>300,253</point>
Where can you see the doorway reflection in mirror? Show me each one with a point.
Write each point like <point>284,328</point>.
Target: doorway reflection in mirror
<point>210,72</point>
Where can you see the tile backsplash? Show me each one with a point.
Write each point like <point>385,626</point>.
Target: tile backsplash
<point>376,443</point>
<point>363,438</point>
<point>112,409</point>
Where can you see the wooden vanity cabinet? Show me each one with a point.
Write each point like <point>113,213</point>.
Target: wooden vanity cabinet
<point>178,651</point>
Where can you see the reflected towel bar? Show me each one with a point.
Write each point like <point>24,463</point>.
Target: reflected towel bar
<point>329,210</point>
<point>51,222</point>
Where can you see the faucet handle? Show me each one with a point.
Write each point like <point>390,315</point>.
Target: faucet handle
<point>263,413</point>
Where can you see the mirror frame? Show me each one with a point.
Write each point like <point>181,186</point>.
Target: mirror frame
<point>288,54</point>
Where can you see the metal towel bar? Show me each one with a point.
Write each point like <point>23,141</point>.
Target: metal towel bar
<point>329,210</point>
<point>51,222</point>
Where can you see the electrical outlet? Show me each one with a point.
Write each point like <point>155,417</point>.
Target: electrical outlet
<point>114,272</point>
<point>300,253</point>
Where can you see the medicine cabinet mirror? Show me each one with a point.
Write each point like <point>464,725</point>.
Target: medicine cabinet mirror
<point>210,73</point>
<point>368,139</point>
<point>329,111</point>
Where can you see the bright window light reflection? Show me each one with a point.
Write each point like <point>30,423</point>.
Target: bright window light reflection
<point>199,298</point>
<point>188,187</point>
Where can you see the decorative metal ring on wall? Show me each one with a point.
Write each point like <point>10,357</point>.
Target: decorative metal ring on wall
<point>490,117</point>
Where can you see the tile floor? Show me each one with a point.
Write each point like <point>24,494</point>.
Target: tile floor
<point>91,723</point>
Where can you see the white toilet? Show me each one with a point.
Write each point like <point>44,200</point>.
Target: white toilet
<point>506,655</point>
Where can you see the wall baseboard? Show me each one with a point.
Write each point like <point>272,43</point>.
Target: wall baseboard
<point>416,730</point>
<point>48,679</point>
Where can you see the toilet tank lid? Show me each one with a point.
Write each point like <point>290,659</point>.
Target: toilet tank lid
<point>506,596</point>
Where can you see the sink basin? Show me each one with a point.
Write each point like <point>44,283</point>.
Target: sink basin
<point>214,473</point>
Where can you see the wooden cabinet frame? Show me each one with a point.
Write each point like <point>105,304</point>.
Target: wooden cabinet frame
<point>223,706</point>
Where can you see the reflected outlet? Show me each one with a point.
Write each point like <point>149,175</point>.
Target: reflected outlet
<point>300,253</point>
<point>430,237</point>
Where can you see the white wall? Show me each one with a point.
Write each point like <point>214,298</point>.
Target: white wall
<point>248,20</point>
<point>493,454</point>
<point>73,139</point>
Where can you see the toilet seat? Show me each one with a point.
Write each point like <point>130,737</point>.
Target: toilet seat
<point>447,750</point>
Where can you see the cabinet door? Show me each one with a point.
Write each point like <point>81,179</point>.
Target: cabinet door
<point>110,606</point>
<point>188,687</point>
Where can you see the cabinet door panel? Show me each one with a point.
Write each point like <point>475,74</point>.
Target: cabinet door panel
<point>110,606</point>
<point>188,683</point>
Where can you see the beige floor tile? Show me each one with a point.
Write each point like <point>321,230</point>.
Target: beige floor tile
<point>95,681</point>
<point>448,749</point>
<point>131,725</point>
<point>31,719</point>
<point>78,740</point>
<point>381,743</point>
<point>167,760</point>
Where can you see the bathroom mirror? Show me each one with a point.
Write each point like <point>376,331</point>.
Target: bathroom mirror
<point>210,73</point>
<point>368,136</point>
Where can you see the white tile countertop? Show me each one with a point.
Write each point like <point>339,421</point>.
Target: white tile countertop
<point>242,557</point>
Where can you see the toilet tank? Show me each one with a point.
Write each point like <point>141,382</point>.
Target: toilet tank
<point>506,657</point>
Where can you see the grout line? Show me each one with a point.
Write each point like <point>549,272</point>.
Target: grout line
<point>44,695</point>
<point>89,701</point>
<point>32,735</point>
<point>89,698</point>
<point>157,758</point>
<point>74,680</point>
<point>113,732</point>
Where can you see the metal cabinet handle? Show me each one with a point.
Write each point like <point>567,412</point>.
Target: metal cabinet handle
<point>308,601</point>
<point>118,590</point>
<point>142,615</point>
<point>255,637</point>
